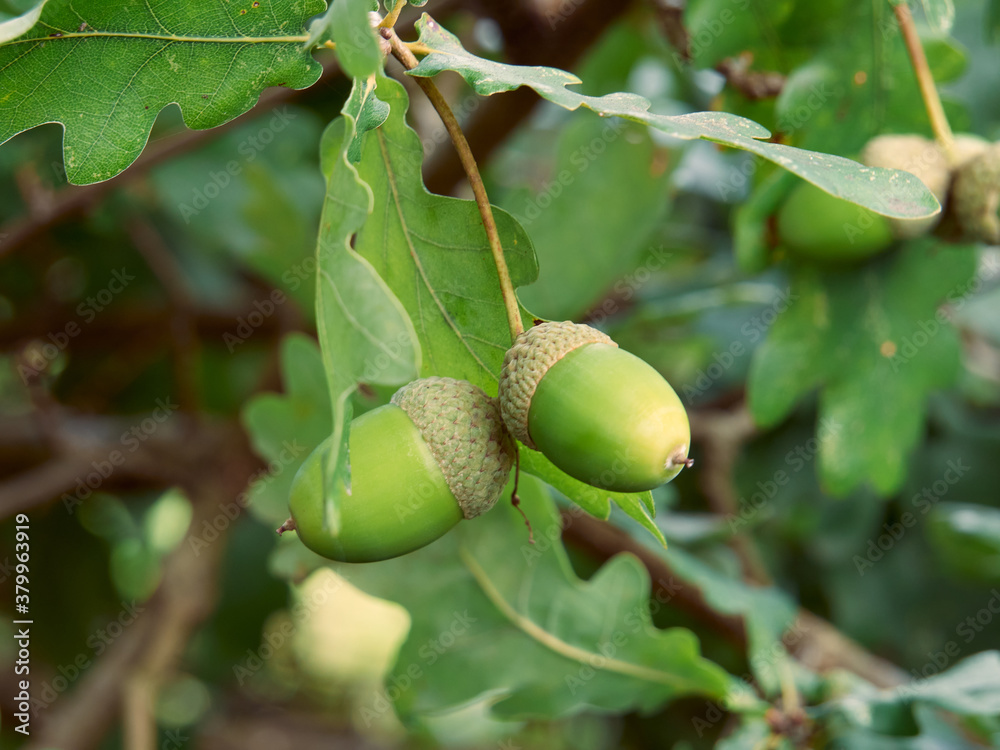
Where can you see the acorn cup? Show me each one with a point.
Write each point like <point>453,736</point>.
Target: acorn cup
<point>437,453</point>
<point>975,194</point>
<point>600,414</point>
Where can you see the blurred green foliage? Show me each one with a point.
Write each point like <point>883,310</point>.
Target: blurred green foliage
<point>888,528</point>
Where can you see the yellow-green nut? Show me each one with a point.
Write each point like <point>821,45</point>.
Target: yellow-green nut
<point>975,196</point>
<point>600,414</point>
<point>919,156</point>
<point>814,224</point>
<point>436,454</point>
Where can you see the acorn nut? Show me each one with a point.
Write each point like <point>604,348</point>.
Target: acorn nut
<point>437,453</point>
<point>600,414</point>
<point>919,156</point>
<point>814,224</point>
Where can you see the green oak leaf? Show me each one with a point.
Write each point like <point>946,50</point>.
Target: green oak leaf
<point>284,428</point>
<point>767,611</point>
<point>365,334</point>
<point>886,191</point>
<point>966,538</point>
<point>433,253</point>
<point>369,112</point>
<point>872,338</point>
<point>12,28</point>
<point>494,616</point>
<point>597,502</point>
<point>582,254</point>
<point>105,70</point>
<point>347,25</point>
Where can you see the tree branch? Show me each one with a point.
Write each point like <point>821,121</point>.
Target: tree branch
<point>821,646</point>
<point>128,675</point>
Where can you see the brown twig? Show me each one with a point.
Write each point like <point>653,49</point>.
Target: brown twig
<point>164,458</point>
<point>925,80</point>
<point>126,678</point>
<point>73,200</point>
<point>451,124</point>
<point>753,84</point>
<point>184,338</point>
<point>819,645</point>
<point>670,15</point>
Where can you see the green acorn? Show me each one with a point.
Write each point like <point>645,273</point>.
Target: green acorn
<point>814,224</point>
<point>436,454</point>
<point>600,414</point>
<point>975,196</point>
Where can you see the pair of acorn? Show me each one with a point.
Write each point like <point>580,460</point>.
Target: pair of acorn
<point>442,449</point>
<point>966,182</point>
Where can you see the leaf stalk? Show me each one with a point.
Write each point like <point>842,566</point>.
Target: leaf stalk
<point>402,53</point>
<point>925,80</point>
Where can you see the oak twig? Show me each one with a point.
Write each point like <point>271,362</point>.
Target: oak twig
<point>402,53</point>
<point>929,92</point>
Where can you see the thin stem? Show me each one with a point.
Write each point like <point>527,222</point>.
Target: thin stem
<point>515,499</point>
<point>417,48</point>
<point>554,643</point>
<point>929,92</point>
<point>390,20</point>
<point>402,53</point>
